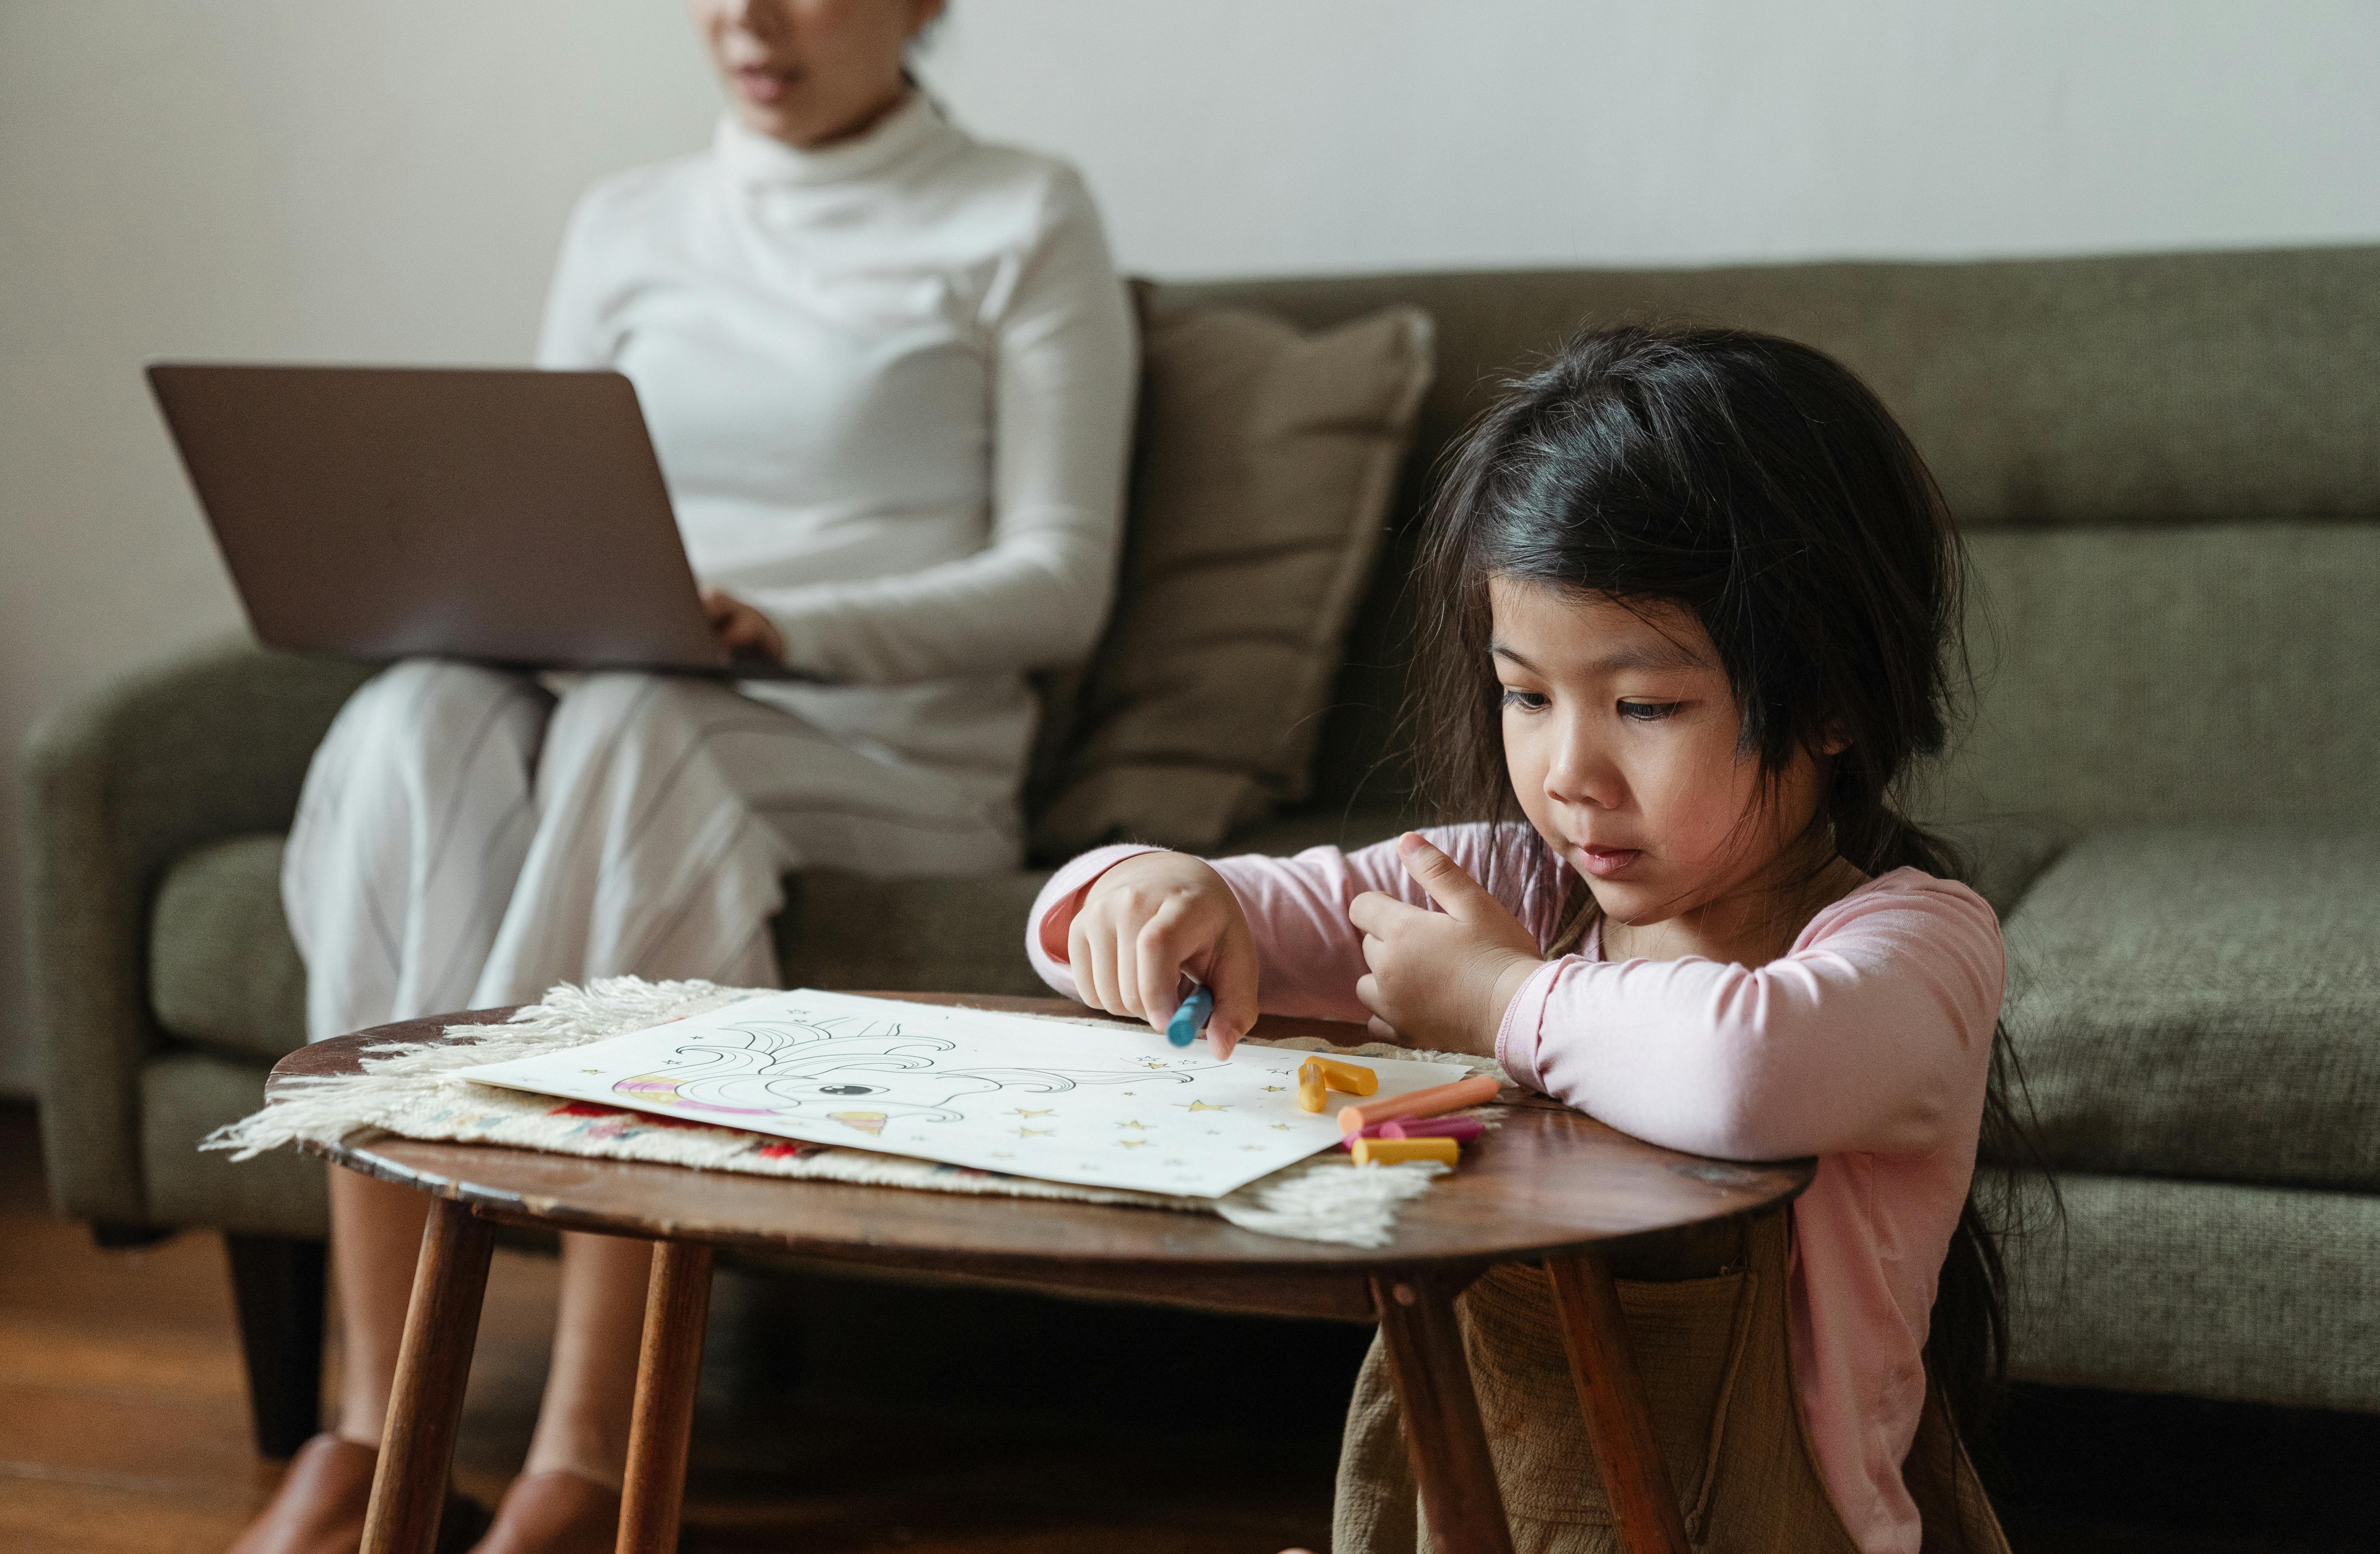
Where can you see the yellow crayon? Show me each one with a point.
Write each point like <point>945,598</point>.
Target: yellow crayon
<point>1353,1078</point>
<point>1390,1151</point>
<point>1309,1088</point>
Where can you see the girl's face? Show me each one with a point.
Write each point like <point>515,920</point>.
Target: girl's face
<point>1620,734</point>
<point>811,71</point>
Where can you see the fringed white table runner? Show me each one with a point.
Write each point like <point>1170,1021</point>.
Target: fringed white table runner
<point>412,1088</point>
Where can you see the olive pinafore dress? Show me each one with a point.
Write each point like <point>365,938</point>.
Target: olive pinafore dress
<point>1718,1371</point>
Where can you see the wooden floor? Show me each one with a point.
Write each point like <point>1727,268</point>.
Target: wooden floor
<point>123,1422</point>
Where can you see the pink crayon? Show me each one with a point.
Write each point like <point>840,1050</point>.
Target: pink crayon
<point>1436,1101</point>
<point>1462,1130</point>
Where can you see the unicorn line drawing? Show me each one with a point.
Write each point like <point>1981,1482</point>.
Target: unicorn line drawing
<point>860,1078</point>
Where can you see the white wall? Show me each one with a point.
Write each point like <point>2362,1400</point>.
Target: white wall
<point>264,178</point>
<point>1231,136</point>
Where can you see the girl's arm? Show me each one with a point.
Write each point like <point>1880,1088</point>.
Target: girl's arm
<point>1309,956</point>
<point>1874,1034</point>
<point>1065,373</point>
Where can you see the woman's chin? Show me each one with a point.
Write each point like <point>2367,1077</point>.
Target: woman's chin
<point>800,120</point>
<point>763,118</point>
<point>774,107</point>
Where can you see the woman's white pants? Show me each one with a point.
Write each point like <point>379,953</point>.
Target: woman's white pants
<point>468,837</point>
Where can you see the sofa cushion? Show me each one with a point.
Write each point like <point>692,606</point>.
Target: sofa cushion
<point>223,973</point>
<point>1262,477</point>
<point>913,935</point>
<point>967,935</point>
<point>2222,674</point>
<point>2261,1295</point>
<point>2005,855</point>
<point>2204,1001</point>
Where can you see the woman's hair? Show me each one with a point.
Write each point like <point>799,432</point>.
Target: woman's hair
<point>1759,485</point>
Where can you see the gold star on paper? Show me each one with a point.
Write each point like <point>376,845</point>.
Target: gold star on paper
<point>1143,1126</point>
<point>1280,1127</point>
<point>1035,1132</point>
<point>1132,1144</point>
<point>591,1071</point>
<point>1022,1112</point>
<point>1275,1090</point>
<point>1202,1106</point>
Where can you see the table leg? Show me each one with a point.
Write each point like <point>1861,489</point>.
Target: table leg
<point>669,1369</point>
<point>1442,1429</point>
<point>1611,1397</point>
<point>425,1406</point>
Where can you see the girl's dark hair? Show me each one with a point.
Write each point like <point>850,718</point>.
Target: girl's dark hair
<point>1759,485</point>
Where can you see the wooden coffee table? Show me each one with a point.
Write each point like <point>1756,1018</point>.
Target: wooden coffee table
<point>1548,1186</point>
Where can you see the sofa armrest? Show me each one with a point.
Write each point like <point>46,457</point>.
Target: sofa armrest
<point>209,744</point>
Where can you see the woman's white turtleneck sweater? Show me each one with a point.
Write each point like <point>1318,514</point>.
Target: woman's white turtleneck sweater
<point>890,383</point>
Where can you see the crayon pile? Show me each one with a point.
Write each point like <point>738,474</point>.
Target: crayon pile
<point>1408,1127</point>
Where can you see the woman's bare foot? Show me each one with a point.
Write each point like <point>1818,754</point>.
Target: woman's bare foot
<point>320,1507</point>
<point>556,1511</point>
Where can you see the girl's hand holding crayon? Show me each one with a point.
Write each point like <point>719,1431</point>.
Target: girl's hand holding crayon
<point>1149,920</point>
<point>1440,979</point>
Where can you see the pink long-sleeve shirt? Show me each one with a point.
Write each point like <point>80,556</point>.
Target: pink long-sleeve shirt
<point>1867,1044</point>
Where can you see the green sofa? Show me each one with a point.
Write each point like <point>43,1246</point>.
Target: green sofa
<point>2169,471</point>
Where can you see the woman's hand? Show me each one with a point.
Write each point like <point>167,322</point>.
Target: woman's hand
<point>1148,919</point>
<point>1440,979</point>
<point>743,628</point>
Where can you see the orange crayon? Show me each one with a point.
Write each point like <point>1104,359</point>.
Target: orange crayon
<point>1436,1101</point>
<point>1353,1078</point>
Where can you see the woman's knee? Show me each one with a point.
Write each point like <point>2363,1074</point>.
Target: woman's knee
<point>437,696</point>
<point>619,734</point>
<point>605,710</point>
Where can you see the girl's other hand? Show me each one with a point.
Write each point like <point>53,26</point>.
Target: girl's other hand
<point>1147,920</point>
<point>743,628</point>
<point>1440,979</point>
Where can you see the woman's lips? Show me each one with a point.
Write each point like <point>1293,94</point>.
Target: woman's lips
<point>759,85</point>
<point>1605,862</point>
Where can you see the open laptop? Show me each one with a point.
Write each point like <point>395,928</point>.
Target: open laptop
<point>512,516</point>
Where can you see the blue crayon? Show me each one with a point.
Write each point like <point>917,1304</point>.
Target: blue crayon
<point>1191,1018</point>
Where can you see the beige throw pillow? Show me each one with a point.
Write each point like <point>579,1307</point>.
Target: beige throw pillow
<point>1262,470</point>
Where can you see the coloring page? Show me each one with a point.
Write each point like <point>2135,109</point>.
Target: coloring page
<point>1106,1106</point>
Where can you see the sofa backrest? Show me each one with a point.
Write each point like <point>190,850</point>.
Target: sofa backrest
<point>2168,468</point>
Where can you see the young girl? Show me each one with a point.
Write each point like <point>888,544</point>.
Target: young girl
<point>1691,609</point>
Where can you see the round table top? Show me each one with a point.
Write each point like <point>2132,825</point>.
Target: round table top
<point>1549,1181</point>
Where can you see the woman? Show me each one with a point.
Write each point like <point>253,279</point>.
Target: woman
<point>889,371</point>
